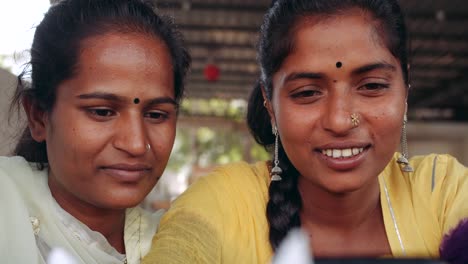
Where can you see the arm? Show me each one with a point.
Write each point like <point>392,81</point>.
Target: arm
<point>190,232</point>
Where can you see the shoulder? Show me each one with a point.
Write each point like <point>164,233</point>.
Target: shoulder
<point>16,165</point>
<point>231,183</point>
<point>443,180</point>
<point>206,223</point>
<point>229,193</point>
<point>13,163</point>
<point>438,170</point>
<point>14,168</point>
<point>430,172</point>
<point>239,174</point>
<point>18,170</point>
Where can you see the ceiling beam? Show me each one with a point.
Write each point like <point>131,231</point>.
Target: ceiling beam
<point>442,34</point>
<point>261,8</point>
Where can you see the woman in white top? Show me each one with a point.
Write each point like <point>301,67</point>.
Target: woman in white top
<point>106,79</point>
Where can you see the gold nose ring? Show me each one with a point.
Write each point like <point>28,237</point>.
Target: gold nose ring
<point>355,120</point>
<point>148,146</point>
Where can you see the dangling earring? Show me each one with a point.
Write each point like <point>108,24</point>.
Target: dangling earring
<point>403,159</point>
<point>276,170</point>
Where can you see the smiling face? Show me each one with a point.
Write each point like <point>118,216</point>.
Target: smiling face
<point>337,69</point>
<point>105,149</point>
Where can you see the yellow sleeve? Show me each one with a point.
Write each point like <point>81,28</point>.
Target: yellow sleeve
<point>219,219</point>
<point>189,232</point>
<point>452,192</point>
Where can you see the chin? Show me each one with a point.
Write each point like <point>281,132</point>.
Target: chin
<point>120,205</point>
<point>124,200</point>
<point>343,186</point>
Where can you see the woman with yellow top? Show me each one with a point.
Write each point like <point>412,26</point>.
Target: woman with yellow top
<point>331,104</point>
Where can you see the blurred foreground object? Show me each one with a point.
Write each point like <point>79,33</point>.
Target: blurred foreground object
<point>294,249</point>
<point>60,256</point>
<point>454,248</point>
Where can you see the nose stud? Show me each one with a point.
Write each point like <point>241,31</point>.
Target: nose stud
<point>148,146</point>
<point>355,120</point>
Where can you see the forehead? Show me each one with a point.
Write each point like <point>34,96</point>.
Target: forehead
<point>132,65</point>
<point>348,37</point>
<point>122,49</point>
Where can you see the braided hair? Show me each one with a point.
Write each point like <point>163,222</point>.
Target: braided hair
<point>275,44</point>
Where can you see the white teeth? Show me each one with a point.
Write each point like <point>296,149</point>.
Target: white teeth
<point>337,153</point>
<point>355,151</point>
<point>346,152</point>
<point>342,153</point>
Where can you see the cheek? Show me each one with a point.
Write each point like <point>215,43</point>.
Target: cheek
<point>81,140</point>
<point>386,124</point>
<point>162,140</point>
<point>297,125</point>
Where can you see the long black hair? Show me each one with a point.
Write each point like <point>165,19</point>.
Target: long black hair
<point>57,43</point>
<point>275,44</point>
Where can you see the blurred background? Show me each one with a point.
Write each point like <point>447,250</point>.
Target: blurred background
<point>221,35</point>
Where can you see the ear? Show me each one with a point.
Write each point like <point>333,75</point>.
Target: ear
<point>37,119</point>
<point>268,106</point>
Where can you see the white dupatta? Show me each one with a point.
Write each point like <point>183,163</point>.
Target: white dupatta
<point>25,198</point>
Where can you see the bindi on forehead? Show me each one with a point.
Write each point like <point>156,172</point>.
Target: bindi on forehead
<point>136,101</point>
<point>339,64</point>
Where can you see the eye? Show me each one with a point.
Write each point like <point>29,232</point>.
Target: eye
<point>374,86</point>
<point>373,89</point>
<point>156,116</point>
<point>101,113</point>
<point>305,93</point>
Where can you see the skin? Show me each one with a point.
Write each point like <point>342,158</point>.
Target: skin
<point>97,137</point>
<point>312,104</point>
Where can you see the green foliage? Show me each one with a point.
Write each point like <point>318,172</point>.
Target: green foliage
<point>204,146</point>
<point>230,109</point>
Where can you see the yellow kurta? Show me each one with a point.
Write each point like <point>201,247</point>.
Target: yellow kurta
<point>221,218</point>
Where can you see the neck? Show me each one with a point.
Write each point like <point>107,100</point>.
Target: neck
<point>342,211</point>
<point>109,222</point>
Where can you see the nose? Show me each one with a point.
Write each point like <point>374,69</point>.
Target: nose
<point>337,117</point>
<point>131,137</point>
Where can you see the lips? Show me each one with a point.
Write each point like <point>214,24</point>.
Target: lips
<point>127,172</point>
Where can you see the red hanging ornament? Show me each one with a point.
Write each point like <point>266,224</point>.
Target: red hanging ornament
<point>211,72</point>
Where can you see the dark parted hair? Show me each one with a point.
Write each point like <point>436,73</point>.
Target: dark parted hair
<point>275,44</point>
<point>59,39</point>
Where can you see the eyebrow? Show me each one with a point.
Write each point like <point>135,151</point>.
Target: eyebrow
<point>303,75</point>
<point>121,99</point>
<point>373,66</point>
<point>162,100</point>
<point>102,96</point>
